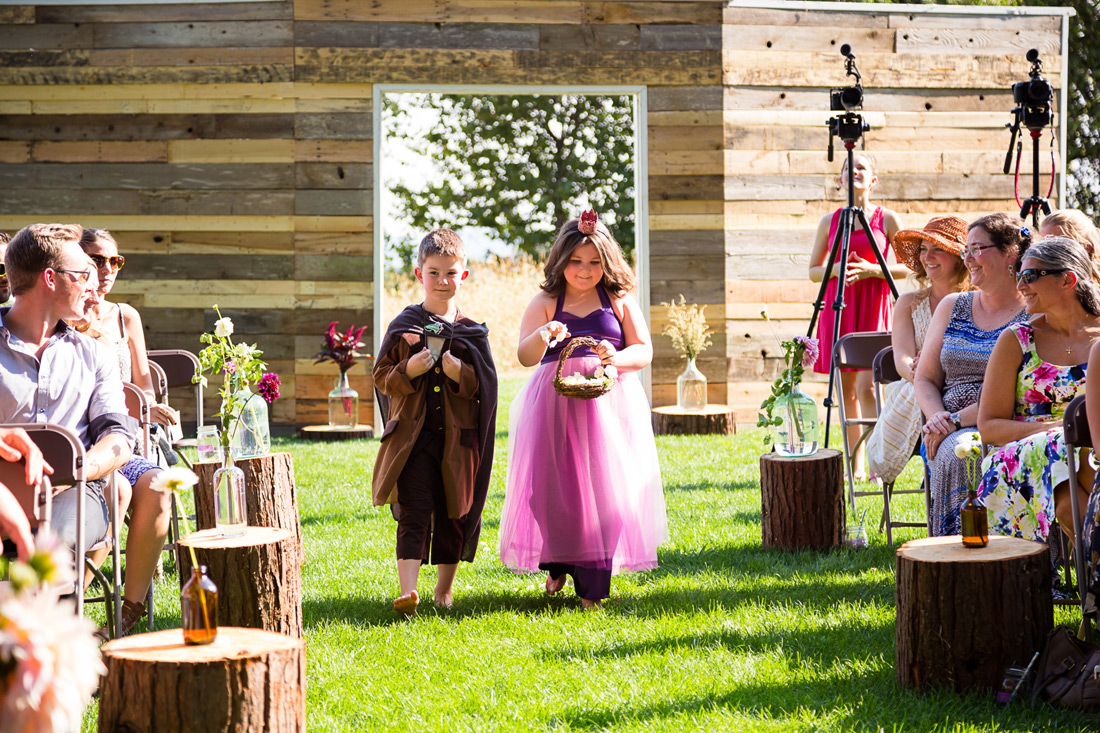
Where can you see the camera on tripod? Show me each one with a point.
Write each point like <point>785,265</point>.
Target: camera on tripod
<point>1034,96</point>
<point>850,125</point>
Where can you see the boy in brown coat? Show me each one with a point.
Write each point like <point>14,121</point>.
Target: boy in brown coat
<point>437,391</point>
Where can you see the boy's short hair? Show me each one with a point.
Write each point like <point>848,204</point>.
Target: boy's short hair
<point>440,242</point>
<point>34,249</point>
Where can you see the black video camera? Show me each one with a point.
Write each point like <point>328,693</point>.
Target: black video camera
<point>847,99</point>
<point>1034,96</point>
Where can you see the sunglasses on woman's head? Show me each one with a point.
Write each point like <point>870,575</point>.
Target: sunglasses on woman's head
<point>116,262</point>
<point>1027,277</point>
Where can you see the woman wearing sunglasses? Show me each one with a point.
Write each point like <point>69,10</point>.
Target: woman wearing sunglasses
<point>1025,480</point>
<point>957,346</point>
<point>118,325</point>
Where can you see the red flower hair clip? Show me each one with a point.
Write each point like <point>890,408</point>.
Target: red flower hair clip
<point>587,224</point>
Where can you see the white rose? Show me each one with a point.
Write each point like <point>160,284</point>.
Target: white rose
<point>223,328</point>
<point>610,372</point>
<point>962,450</point>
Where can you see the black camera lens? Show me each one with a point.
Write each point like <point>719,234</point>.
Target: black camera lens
<point>1040,91</point>
<point>851,97</point>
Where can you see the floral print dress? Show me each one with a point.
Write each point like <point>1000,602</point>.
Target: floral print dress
<point>1018,479</point>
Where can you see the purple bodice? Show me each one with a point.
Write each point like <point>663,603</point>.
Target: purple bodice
<point>601,323</point>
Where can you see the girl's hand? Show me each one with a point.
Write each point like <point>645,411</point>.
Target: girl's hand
<point>553,333</point>
<point>606,352</point>
<point>163,414</point>
<point>419,363</point>
<point>452,366</point>
<point>859,269</point>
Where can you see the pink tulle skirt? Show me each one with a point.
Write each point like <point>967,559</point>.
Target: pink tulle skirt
<point>584,485</point>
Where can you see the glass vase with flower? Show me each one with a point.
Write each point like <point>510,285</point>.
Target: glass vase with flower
<point>789,413</point>
<point>342,350</point>
<point>244,430</point>
<point>973,519</point>
<point>690,334</point>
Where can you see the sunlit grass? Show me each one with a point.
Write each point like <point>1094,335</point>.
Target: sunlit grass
<point>723,636</point>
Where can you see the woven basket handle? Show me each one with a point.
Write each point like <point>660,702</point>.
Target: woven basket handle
<point>574,343</point>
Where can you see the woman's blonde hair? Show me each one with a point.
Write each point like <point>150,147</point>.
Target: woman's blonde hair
<point>618,277</point>
<point>959,283</point>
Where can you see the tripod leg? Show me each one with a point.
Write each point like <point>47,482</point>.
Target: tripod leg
<point>819,302</point>
<point>841,242</point>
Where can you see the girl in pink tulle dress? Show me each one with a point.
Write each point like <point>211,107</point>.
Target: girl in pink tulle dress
<point>584,495</point>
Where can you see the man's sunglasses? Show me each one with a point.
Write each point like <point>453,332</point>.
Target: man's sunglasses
<point>116,261</point>
<point>1027,277</point>
<point>3,270</point>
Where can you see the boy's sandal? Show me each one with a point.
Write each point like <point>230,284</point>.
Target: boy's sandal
<point>406,604</point>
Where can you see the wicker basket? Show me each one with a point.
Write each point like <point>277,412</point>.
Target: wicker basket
<point>581,391</point>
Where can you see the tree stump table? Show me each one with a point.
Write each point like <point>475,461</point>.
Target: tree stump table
<point>246,680</point>
<point>712,419</point>
<point>270,494</point>
<point>258,573</point>
<point>327,433</point>
<point>802,500</point>
<point>965,614</point>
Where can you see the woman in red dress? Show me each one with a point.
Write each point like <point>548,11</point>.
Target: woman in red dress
<point>868,304</point>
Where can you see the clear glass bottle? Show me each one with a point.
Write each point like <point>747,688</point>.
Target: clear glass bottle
<point>230,509</point>
<point>199,608</point>
<point>691,389</point>
<point>250,435</point>
<point>973,521</point>
<point>1011,686</point>
<point>798,433</point>
<point>343,404</point>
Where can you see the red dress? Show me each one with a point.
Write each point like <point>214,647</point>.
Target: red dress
<point>868,305</point>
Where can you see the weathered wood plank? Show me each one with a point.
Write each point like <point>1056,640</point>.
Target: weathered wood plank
<point>1010,21</point>
<point>168,223</point>
<point>333,203</point>
<point>334,175</point>
<point>333,267</point>
<point>194,34</point>
<point>164,13</point>
<point>232,152</point>
<point>685,162</point>
<point>686,187</point>
<point>802,17</point>
<point>971,40</point>
<point>107,202</point>
<point>427,11</point>
<point>458,35</point>
<point>186,56</point>
<point>589,37</point>
<point>686,98</point>
<point>681,38</point>
<point>109,151</point>
<point>334,151</point>
<point>685,138</point>
<point>349,242</point>
<point>209,266</point>
<point>15,151</point>
<point>823,39</point>
<point>17,14</point>
<point>146,74</point>
<point>346,34</point>
<point>891,138</point>
<point>356,126</point>
<point>618,59</point>
<point>653,13</point>
<point>163,92</point>
<point>877,99</point>
<point>43,36</point>
<point>148,176</point>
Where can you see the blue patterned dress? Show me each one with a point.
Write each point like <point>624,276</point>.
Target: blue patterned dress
<point>1018,479</point>
<point>963,356</point>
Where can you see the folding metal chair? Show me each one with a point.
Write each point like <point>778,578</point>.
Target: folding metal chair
<point>178,367</point>
<point>161,384</point>
<point>855,351</point>
<point>1075,423</point>
<point>64,452</point>
<point>35,499</point>
<point>137,404</point>
<point>884,371</point>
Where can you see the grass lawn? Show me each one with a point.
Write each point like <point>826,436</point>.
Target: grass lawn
<point>723,636</point>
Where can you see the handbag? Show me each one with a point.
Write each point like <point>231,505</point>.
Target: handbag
<point>1068,672</point>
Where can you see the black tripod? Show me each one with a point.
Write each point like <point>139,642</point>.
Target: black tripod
<point>1033,109</point>
<point>838,253</point>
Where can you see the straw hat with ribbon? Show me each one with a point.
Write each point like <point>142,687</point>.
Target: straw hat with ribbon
<point>945,232</point>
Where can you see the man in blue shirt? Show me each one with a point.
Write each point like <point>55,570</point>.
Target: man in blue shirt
<point>50,373</point>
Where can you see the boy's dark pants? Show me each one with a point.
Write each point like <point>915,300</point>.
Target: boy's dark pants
<point>423,524</point>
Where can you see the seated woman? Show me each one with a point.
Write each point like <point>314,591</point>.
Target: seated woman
<point>1024,482</point>
<point>1090,526</point>
<point>119,326</point>
<point>1075,225</point>
<point>934,254</point>
<point>960,339</point>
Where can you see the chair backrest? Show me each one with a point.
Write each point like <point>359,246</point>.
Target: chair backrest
<point>179,367</point>
<point>858,350</point>
<point>1076,423</point>
<point>61,448</point>
<point>137,404</point>
<point>160,382</point>
<point>883,368</point>
<point>36,500</point>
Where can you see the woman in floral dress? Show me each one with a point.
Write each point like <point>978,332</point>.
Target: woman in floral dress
<point>1024,482</point>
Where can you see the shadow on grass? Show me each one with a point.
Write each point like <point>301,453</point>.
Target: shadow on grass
<point>712,485</point>
<point>747,559</point>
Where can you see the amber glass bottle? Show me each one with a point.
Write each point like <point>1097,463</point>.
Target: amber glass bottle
<point>975,523</point>
<point>199,608</point>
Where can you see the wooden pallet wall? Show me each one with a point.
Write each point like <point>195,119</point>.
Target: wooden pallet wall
<point>229,147</point>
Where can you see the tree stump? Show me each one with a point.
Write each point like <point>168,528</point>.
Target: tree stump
<point>247,680</point>
<point>258,574</point>
<point>802,500</point>
<point>966,614</point>
<point>270,493</point>
<point>711,420</point>
<point>328,433</point>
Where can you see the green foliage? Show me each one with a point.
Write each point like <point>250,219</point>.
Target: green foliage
<point>518,166</point>
<point>239,363</point>
<point>794,351</point>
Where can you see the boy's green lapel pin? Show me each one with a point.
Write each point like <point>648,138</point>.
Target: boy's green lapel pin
<point>435,328</point>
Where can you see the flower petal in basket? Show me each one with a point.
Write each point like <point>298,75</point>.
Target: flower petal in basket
<point>578,385</point>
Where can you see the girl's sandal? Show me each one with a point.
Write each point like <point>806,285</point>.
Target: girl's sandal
<point>406,604</point>
<point>554,585</point>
